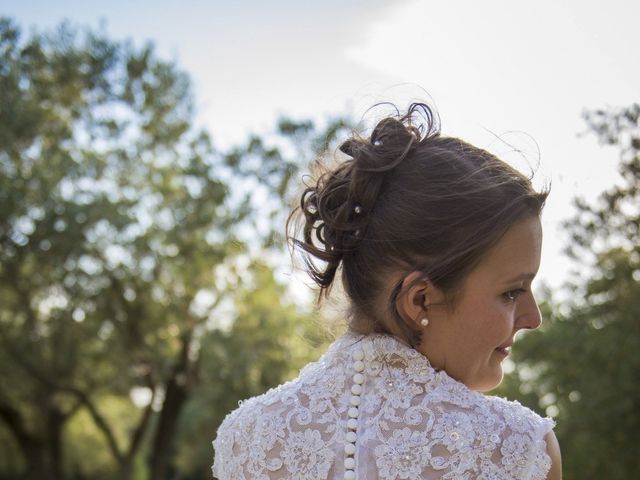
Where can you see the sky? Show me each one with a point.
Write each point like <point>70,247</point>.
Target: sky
<point>502,75</point>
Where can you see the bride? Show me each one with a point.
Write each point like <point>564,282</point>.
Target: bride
<point>437,243</point>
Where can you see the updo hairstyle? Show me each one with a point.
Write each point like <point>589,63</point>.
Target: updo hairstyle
<point>406,199</point>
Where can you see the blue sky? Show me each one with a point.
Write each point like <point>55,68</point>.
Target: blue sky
<point>521,70</point>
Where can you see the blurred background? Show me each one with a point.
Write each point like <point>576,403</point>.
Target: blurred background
<point>150,153</point>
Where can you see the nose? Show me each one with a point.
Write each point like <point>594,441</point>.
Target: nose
<point>529,315</point>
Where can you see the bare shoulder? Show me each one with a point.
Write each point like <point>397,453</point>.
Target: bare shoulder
<point>553,450</point>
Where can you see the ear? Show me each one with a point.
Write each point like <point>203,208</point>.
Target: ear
<point>416,294</point>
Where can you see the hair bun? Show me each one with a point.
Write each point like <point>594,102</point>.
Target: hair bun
<point>351,147</point>
<point>336,209</point>
<point>390,133</point>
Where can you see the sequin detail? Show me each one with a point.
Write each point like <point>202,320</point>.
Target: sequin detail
<point>373,407</point>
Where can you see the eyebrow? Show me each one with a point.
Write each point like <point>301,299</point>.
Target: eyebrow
<point>522,276</point>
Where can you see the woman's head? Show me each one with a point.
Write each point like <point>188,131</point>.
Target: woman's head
<point>494,302</point>
<point>408,203</point>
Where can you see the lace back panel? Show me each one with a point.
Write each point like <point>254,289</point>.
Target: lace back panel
<point>372,407</point>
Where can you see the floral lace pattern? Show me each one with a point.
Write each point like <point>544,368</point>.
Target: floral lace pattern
<point>414,423</point>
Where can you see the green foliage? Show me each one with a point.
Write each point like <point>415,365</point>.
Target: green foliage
<point>582,365</point>
<point>126,318</point>
<point>83,441</point>
<point>265,346</point>
<point>615,219</point>
<point>274,163</point>
<point>113,220</point>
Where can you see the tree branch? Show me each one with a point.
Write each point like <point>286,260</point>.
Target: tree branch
<point>141,428</point>
<point>13,419</point>
<point>100,422</point>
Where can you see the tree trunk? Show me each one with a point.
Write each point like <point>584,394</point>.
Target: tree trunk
<point>125,472</point>
<point>33,447</point>
<point>55,423</point>
<point>37,465</point>
<point>175,397</point>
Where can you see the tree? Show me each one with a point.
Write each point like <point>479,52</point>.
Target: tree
<point>582,365</point>
<point>113,218</point>
<point>120,234</point>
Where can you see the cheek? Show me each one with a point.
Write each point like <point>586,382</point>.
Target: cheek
<point>486,323</point>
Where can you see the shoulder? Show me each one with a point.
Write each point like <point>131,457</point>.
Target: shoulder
<point>553,450</point>
<point>264,433</point>
<point>517,417</point>
<point>524,438</point>
<point>256,423</point>
<point>312,375</point>
<point>510,434</point>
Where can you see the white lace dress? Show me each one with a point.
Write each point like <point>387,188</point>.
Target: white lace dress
<point>372,408</point>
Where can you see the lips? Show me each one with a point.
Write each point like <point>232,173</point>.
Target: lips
<point>504,350</point>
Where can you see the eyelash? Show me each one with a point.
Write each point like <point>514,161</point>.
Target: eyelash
<point>512,295</point>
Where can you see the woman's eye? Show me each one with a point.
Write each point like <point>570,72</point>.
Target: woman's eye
<point>512,295</point>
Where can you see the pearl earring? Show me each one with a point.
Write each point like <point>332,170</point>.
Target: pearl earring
<point>424,322</point>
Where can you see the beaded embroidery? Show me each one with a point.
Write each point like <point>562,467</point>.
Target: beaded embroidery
<point>373,407</point>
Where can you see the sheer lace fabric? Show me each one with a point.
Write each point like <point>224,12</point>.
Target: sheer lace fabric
<point>414,423</point>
